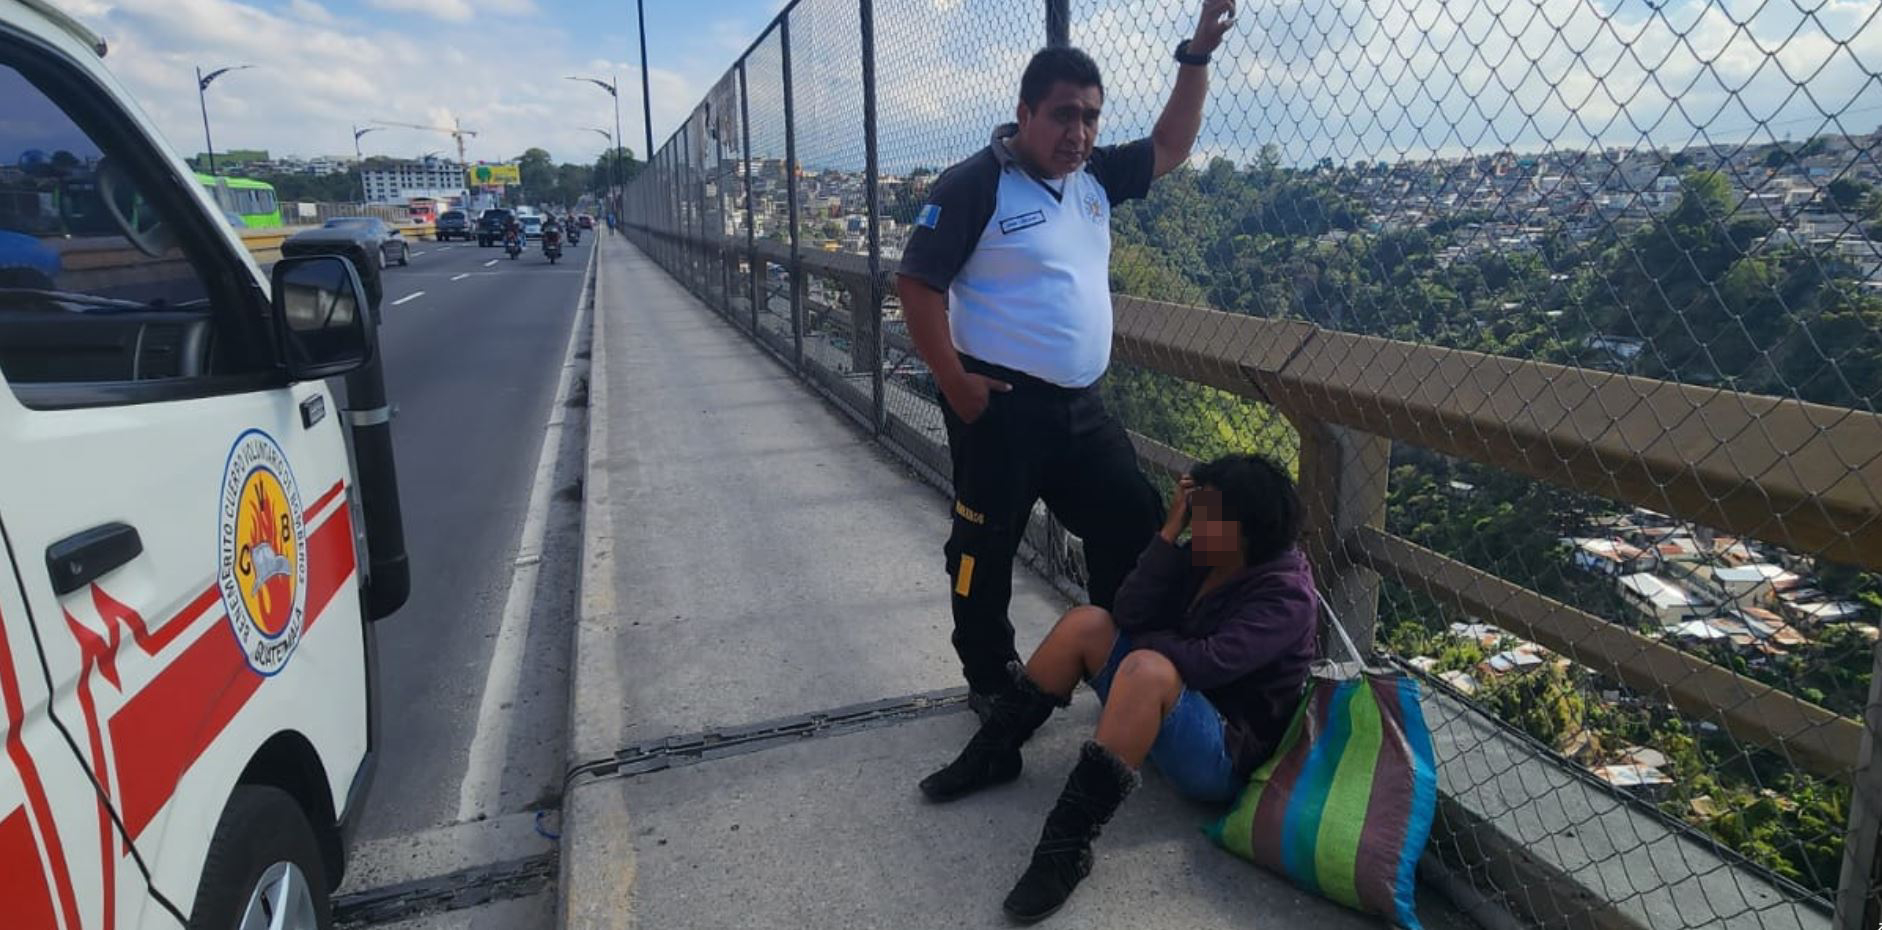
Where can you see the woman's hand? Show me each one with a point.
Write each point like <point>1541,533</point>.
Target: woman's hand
<point>1179,510</point>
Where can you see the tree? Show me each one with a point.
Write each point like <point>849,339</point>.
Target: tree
<point>538,174</point>
<point>1848,194</point>
<point>603,173</point>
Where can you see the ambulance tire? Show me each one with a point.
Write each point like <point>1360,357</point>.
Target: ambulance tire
<point>262,827</point>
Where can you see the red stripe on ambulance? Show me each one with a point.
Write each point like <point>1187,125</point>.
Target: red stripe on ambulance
<point>163,729</point>
<point>35,798</point>
<point>23,878</point>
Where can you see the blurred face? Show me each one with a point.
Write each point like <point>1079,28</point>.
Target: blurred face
<point>1056,136</point>
<point>1213,539</point>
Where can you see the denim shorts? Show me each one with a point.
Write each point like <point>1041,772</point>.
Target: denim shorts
<point>1191,748</point>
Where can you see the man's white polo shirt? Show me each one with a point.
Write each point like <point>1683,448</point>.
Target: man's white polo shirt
<point>1027,265</point>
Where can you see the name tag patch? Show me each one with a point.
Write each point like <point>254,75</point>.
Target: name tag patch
<point>1013,224</point>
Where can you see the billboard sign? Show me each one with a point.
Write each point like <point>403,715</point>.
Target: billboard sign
<point>488,175</point>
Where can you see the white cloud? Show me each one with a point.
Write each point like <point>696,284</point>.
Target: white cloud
<point>319,73</point>
<point>455,11</point>
<point>310,11</point>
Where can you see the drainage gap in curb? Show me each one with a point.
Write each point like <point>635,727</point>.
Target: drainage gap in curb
<point>501,881</point>
<point>691,749</point>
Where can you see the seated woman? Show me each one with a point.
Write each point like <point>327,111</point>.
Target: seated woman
<point>1199,667</point>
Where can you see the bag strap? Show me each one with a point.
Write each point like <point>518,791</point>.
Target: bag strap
<point>1329,668</point>
<point>1352,650</point>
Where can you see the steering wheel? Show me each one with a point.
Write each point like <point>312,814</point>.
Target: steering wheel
<point>142,226</point>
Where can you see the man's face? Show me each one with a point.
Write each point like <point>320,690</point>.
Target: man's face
<point>1057,135</point>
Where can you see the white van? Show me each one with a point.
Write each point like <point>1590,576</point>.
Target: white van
<point>196,534</point>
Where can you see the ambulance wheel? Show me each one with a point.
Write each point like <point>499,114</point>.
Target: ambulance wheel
<point>264,868</point>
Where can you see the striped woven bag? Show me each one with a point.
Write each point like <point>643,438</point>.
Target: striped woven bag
<point>1343,808</point>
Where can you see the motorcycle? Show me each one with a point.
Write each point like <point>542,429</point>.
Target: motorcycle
<point>575,234</point>
<point>552,244</point>
<point>513,242</point>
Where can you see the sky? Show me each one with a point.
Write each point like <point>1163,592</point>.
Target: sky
<point>322,66</point>
<point>1341,79</point>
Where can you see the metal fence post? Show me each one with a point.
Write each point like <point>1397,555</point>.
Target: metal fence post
<point>1058,22</point>
<point>687,247</point>
<point>795,273</point>
<point>1858,906</point>
<point>753,270</point>
<point>871,196</point>
<point>1342,487</point>
<point>722,274</point>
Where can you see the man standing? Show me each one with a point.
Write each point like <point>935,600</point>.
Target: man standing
<point>1005,285</point>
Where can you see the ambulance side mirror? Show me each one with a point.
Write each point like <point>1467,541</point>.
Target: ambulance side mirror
<point>320,317</point>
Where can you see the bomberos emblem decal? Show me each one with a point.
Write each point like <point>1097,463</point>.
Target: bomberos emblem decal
<point>261,571</point>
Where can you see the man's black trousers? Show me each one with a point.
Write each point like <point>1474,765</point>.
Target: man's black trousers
<point>1037,441</point>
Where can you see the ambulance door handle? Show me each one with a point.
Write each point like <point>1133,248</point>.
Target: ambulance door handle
<point>86,556</point>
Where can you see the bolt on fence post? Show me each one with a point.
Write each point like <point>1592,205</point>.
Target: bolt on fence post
<point>1857,903</point>
<point>795,273</point>
<point>1058,22</point>
<point>753,270</point>
<point>871,196</point>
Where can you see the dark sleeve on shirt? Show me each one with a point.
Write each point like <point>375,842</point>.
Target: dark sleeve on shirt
<point>1125,170</point>
<point>1152,594</point>
<point>1266,626</point>
<point>950,223</point>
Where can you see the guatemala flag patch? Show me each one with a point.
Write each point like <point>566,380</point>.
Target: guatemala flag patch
<point>930,214</point>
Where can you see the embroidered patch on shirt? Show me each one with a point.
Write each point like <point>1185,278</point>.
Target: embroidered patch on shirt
<point>930,214</point>
<point>1013,224</point>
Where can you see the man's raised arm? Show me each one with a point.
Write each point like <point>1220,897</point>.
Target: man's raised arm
<point>1176,129</point>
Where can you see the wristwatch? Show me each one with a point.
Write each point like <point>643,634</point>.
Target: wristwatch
<point>1183,55</point>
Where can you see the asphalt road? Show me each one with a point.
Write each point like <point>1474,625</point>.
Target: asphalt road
<point>474,344</point>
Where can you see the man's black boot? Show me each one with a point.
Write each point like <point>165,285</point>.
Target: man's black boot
<point>992,756</point>
<point>1099,783</point>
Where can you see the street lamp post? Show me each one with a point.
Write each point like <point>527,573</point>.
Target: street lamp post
<point>359,160</point>
<point>646,96</point>
<point>202,99</point>
<point>614,152</point>
<point>620,182</point>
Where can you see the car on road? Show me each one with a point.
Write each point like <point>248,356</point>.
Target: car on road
<point>452,224</point>
<point>532,227</point>
<point>491,224</point>
<point>204,535</point>
<point>587,220</point>
<point>382,237</point>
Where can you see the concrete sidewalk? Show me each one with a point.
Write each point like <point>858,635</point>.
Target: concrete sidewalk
<point>762,673</point>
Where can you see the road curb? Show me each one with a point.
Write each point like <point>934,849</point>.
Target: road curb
<point>597,851</point>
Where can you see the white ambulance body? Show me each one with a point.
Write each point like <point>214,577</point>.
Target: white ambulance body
<point>185,600</point>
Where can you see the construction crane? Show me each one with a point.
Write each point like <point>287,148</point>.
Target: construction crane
<point>456,131</point>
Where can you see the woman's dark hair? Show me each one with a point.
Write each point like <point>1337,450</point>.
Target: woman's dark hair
<point>1052,65</point>
<point>1258,494</point>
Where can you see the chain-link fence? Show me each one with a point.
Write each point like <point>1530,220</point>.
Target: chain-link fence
<point>1568,317</point>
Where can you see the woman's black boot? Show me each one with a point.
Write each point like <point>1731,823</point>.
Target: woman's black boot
<point>1062,859</point>
<point>992,756</point>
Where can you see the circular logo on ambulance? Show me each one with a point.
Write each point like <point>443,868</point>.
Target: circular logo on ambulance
<point>262,552</point>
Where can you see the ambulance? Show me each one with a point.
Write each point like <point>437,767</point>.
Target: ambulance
<point>199,517</point>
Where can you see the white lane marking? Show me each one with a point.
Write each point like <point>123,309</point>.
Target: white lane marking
<point>460,277</point>
<point>490,262</point>
<point>481,790</point>
<point>416,254</point>
<point>412,296</point>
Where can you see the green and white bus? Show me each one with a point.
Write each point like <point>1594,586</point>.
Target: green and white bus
<point>253,201</point>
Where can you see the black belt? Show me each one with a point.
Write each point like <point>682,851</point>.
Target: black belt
<point>1021,380</point>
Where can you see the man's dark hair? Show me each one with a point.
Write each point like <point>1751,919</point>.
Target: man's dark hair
<point>1051,65</point>
<point>1258,494</point>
